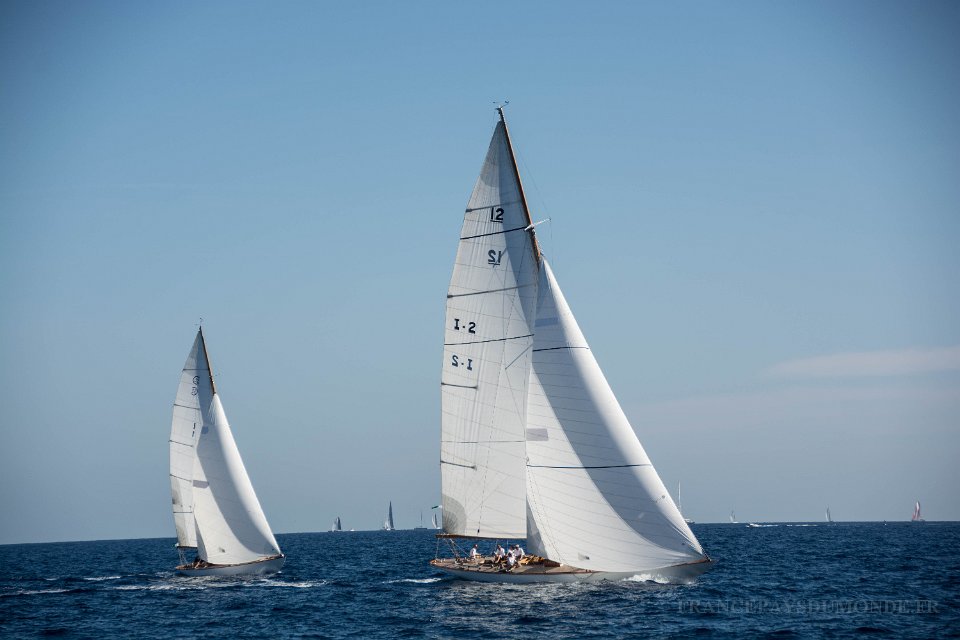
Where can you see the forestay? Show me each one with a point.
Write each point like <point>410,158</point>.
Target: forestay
<point>595,500</point>
<point>486,358</point>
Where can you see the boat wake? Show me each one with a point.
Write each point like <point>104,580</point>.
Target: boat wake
<point>652,577</point>
<point>415,580</point>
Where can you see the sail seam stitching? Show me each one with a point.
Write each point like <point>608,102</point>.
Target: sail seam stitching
<point>458,344</point>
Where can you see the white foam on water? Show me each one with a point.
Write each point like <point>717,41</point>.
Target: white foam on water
<point>33,592</point>
<point>99,578</point>
<point>647,577</point>
<point>415,580</point>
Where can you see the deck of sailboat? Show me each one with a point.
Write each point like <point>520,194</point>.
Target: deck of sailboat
<point>486,568</point>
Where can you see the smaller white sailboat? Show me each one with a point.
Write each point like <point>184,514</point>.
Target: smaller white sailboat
<point>829,518</point>
<point>336,525</point>
<point>388,522</point>
<point>916,517</point>
<point>436,525</point>
<point>215,508</point>
<point>733,518</point>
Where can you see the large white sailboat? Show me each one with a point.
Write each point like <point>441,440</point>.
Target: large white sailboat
<point>215,509</point>
<point>534,444</point>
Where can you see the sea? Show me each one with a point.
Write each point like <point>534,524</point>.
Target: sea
<point>783,580</point>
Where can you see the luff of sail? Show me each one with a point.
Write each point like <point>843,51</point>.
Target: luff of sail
<point>490,310</point>
<point>595,500</point>
<point>230,525</point>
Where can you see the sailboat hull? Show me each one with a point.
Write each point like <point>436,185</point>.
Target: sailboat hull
<point>678,574</point>
<point>255,568</point>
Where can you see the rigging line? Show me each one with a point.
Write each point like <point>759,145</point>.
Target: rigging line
<point>476,293</point>
<point>493,233</point>
<point>491,206</point>
<point>457,464</point>
<point>609,466</point>
<point>458,344</point>
<point>555,348</point>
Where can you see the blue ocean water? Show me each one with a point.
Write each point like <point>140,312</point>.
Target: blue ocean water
<point>846,580</point>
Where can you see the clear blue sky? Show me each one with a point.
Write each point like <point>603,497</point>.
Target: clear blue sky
<point>755,216</point>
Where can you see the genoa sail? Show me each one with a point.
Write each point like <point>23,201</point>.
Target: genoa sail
<point>594,499</point>
<point>230,527</point>
<point>491,302</point>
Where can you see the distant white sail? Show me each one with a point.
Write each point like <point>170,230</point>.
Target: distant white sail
<point>388,522</point>
<point>434,522</point>
<point>916,513</point>
<point>489,330</point>
<point>595,500</point>
<point>733,518</point>
<point>829,518</point>
<point>229,524</point>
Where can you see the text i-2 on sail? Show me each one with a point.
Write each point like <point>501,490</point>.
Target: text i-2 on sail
<point>534,445</point>
<point>215,509</point>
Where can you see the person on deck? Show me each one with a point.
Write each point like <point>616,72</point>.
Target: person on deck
<point>498,554</point>
<point>474,554</point>
<point>519,553</point>
<point>511,560</point>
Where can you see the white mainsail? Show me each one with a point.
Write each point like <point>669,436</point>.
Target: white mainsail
<point>184,433</point>
<point>486,356</point>
<point>230,527</point>
<point>595,500</point>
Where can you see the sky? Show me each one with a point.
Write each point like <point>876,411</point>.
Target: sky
<point>754,214</point>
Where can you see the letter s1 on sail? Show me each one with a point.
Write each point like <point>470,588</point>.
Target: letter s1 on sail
<point>595,500</point>
<point>486,355</point>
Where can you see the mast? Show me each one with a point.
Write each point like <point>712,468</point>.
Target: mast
<point>516,173</point>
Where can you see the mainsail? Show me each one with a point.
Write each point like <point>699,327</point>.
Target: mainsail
<point>916,513</point>
<point>594,499</point>
<point>490,310</point>
<point>229,524</point>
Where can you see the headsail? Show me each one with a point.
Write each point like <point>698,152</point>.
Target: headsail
<point>595,500</point>
<point>229,522</point>
<point>490,310</point>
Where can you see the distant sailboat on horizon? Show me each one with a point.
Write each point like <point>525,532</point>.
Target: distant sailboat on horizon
<point>388,522</point>
<point>733,518</point>
<point>829,517</point>
<point>916,517</point>
<point>215,508</point>
<point>336,525</point>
